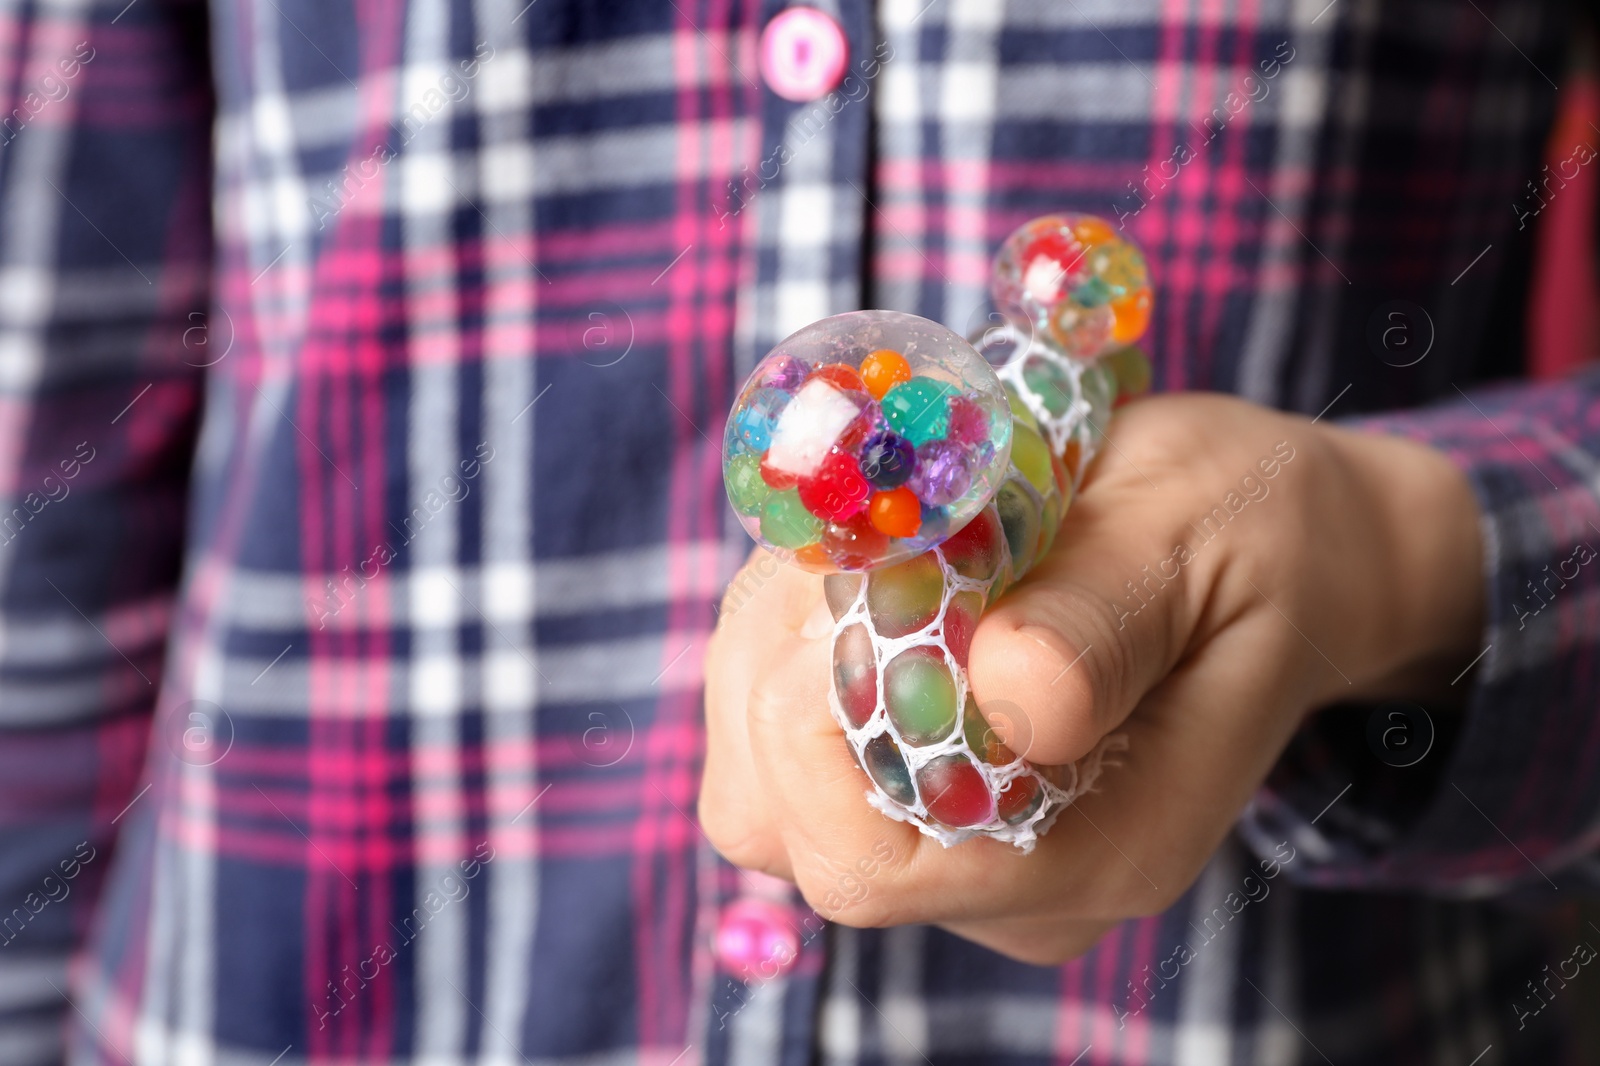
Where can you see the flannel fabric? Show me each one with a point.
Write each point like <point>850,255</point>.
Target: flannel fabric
<point>361,372</point>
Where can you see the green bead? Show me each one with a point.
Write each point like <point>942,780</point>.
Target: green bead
<point>746,491</point>
<point>920,696</point>
<point>919,409</point>
<point>1131,369</point>
<point>1093,293</point>
<point>906,597</point>
<point>1020,519</point>
<point>786,523</point>
<point>1100,389</point>
<point>1031,456</point>
<point>981,737</point>
<point>1050,383</point>
<point>1019,410</point>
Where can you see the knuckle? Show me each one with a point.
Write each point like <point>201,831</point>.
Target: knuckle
<point>735,836</point>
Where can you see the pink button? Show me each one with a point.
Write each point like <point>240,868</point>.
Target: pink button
<point>802,54</point>
<point>756,939</point>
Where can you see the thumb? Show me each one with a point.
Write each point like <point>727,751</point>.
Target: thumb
<point>1065,656</point>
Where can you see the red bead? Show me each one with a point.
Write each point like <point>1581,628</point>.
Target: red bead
<point>843,375</point>
<point>960,620</point>
<point>955,792</point>
<point>855,674</point>
<point>1019,800</point>
<point>968,422</point>
<point>1062,256</point>
<point>837,491</point>
<point>856,544</point>
<point>974,550</point>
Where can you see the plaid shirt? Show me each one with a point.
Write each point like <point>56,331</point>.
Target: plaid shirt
<point>361,368</point>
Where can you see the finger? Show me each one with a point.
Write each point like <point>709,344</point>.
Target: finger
<point>816,788</point>
<point>1198,747</point>
<point>1073,647</point>
<point>765,606</point>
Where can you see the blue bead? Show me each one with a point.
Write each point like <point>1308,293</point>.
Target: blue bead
<point>888,460</point>
<point>754,421</point>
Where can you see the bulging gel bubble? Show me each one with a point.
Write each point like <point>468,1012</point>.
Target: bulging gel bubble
<point>864,440</point>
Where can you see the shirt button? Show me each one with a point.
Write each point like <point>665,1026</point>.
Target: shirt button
<point>802,54</point>
<point>756,939</point>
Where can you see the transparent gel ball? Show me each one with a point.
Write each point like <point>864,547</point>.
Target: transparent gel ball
<point>1073,279</point>
<point>864,440</point>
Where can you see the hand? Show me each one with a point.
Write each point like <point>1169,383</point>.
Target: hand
<point>1225,570</point>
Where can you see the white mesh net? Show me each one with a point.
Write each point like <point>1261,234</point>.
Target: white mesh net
<point>962,780</point>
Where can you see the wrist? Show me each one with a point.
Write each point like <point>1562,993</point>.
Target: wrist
<point>1426,596</point>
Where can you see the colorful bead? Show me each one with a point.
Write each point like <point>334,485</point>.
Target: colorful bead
<point>842,376</point>
<point>955,792</point>
<point>897,512</point>
<point>1129,316</point>
<point>754,422</point>
<point>1019,800</point>
<point>783,372</point>
<point>887,767</point>
<point>975,551</point>
<point>746,491</point>
<point>840,591</point>
<point>883,370</point>
<point>960,623</point>
<point>1092,230</point>
<point>854,545</point>
<point>969,423</point>
<point>1031,456</point>
<point>919,409</point>
<point>1020,519</point>
<point>935,524</point>
<point>786,523</point>
<point>906,597</point>
<point>1132,371</point>
<point>944,472</point>
<point>1051,383</point>
<point>855,674</point>
<point>1049,265</point>
<point>1094,292</point>
<point>981,737</point>
<point>838,491</point>
<point>1083,332</point>
<point>1100,389</point>
<point>919,694</point>
<point>887,460</point>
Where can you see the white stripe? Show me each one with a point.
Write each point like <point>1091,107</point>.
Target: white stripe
<point>443,1018</point>
<point>509,503</point>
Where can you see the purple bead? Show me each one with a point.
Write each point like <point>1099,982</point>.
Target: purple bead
<point>887,460</point>
<point>785,372</point>
<point>943,472</point>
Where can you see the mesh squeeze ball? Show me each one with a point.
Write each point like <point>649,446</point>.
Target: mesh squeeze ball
<point>886,452</point>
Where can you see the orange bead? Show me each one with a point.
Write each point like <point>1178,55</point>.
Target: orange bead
<point>897,512</point>
<point>883,370</point>
<point>814,557</point>
<point>1130,316</point>
<point>841,375</point>
<point>1091,230</point>
<point>1071,456</point>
